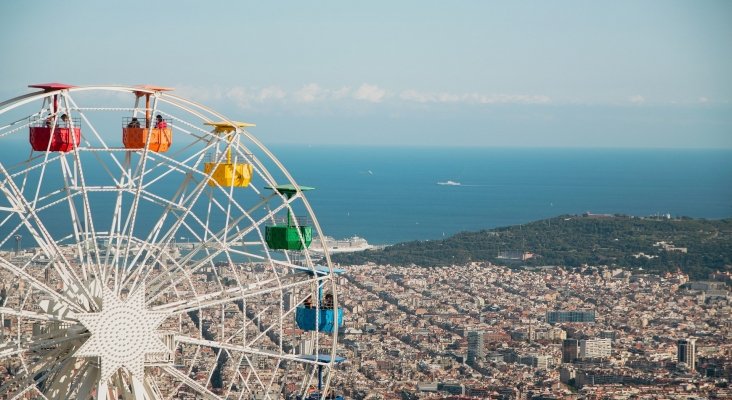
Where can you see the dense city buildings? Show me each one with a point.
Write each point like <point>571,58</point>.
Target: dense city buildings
<point>484,331</point>
<point>410,332</point>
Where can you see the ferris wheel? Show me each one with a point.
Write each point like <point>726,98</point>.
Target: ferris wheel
<point>151,248</point>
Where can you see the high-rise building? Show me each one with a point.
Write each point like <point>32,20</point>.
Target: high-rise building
<point>595,348</point>
<point>553,317</point>
<point>686,352</point>
<point>570,350</point>
<point>475,346</point>
<point>288,300</point>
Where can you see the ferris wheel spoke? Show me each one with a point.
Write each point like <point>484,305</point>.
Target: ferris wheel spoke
<point>81,380</point>
<point>89,230</point>
<point>102,390</point>
<point>42,236</point>
<point>239,376</point>
<point>151,242</point>
<point>23,391</point>
<point>246,350</point>
<point>129,226</point>
<point>91,127</point>
<point>185,305</point>
<point>26,383</point>
<point>187,210</point>
<point>42,363</point>
<point>176,165</point>
<point>194,233</point>
<point>57,387</point>
<point>139,177</point>
<point>152,389</point>
<point>70,104</point>
<point>64,379</point>
<point>204,225</point>
<point>166,286</point>
<point>114,242</point>
<point>245,382</point>
<point>11,350</point>
<point>155,232</point>
<point>224,296</point>
<point>89,374</point>
<point>246,324</point>
<point>190,382</point>
<point>220,236</point>
<point>35,283</point>
<point>41,177</point>
<point>36,316</point>
<point>251,369</point>
<point>81,243</point>
<point>263,334</point>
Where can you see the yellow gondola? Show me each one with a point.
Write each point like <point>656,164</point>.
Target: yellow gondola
<point>227,174</point>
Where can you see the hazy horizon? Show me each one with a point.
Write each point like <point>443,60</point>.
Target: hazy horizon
<point>561,74</point>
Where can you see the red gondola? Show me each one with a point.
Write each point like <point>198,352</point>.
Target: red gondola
<point>55,133</point>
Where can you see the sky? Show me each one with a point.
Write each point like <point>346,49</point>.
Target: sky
<point>470,73</point>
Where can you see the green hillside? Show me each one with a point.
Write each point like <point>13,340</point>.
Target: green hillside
<point>572,240</point>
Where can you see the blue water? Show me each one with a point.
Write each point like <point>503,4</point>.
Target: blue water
<point>400,200</point>
<point>389,195</point>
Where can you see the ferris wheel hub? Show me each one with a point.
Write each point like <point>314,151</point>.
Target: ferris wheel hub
<point>122,334</point>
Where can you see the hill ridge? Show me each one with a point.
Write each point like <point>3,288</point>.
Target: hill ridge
<point>696,246</point>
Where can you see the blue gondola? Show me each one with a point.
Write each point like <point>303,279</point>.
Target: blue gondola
<point>325,318</point>
<point>307,318</point>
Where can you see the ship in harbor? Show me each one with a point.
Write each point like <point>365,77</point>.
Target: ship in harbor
<point>348,245</point>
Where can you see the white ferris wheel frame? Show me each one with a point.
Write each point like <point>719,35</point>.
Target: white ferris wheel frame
<point>121,272</point>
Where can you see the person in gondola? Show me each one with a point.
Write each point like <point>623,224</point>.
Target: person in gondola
<point>160,122</point>
<point>134,123</point>
<point>308,302</point>
<point>64,121</point>
<point>328,301</point>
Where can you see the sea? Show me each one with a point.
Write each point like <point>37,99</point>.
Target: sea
<point>393,194</point>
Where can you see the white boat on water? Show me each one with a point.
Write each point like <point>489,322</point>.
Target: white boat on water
<point>449,183</point>
<point>351,244</point>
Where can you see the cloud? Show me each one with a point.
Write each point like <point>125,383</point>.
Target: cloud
<point>308,93</point>
<point>371,93</point>
<point>637,99</point>
<point>271,93</point>
<point>313,92</point>
<point>703,99</point>
<point>418,97</point>
<point>243,97</point>
<point>253,97</point>
<point>474,98</point>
